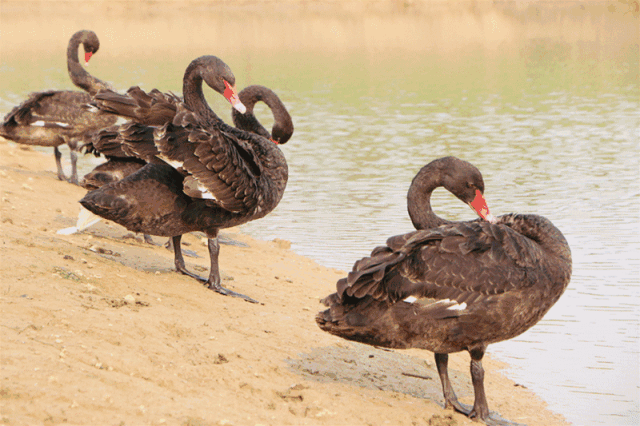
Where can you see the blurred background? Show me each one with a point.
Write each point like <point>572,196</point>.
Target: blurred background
<point>542,96</point>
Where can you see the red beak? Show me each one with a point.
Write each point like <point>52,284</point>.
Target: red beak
<point>479,205</point>
<point>232,96</point>
<point>87,56</point>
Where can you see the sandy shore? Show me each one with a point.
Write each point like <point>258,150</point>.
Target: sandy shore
<point>97,328</point>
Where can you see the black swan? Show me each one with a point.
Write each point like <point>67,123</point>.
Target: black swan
<point>120,163</point>
<point>53,117</point>
<point>224,177</point>
<point>452,286</point>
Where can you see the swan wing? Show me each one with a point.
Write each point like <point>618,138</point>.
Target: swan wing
<point>460,262</point>
<point>153,109</point>
<point>126,140</point>
<point>222,166</point>
<point>50,109</point>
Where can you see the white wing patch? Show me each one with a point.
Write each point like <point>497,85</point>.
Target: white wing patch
<point>172,163</point>
<point>194,189</point>
<point>205,193</point>
<point>42,123</point>
<point>458,307</point>
<point>455,306</point>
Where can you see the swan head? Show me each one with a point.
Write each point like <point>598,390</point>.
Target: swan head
<point>464,180</point>
<point>281,135</point>
<point>90,43</point>
<point>218,76</point>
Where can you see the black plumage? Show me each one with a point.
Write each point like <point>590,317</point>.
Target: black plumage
<point>53,118</point>
<point>452,286</point>
<point>221,176</point>
<point>128,147</point>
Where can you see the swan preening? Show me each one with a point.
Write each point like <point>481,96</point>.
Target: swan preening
<point>452,286</point>
<point>55,117</point>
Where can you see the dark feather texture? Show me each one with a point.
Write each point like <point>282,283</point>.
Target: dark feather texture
<point>223,176</point>
<point>53,118</point>
<point>452,286</point>
<point>152,109</point>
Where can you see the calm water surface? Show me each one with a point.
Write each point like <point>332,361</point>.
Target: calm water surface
<point>552,122</point>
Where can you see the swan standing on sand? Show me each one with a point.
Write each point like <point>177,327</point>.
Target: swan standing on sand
<point>54,117</point>
<point>452,286</point>
<point>120,164</point>
<point>215,176</point>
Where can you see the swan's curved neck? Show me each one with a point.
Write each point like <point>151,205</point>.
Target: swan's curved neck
<point>194,96</point>
<point>79,76</point>
<point>419,199</point>
<point>249,122</point>
<point>280,115</point>
<point>282,124</point>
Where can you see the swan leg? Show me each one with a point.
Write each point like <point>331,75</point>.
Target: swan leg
<point>58,156</point>
<point>480,407</point>
<point>169,246</point>
<point>74,167</point>
<point>480,410</point>
<point>179,260</point>
<point>450,398</point>
<point>214,273</point>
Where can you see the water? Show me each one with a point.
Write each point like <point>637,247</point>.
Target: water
<point>543,100</point>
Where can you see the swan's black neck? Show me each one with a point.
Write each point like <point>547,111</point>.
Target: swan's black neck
<point>282,124</point>
<point>249,96</point>
<point>281,118</point>
<point>79,76</point>
<point>419,197</point>
<point>249,122</point>
<point>457,176</point>
<point>193,94</point>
